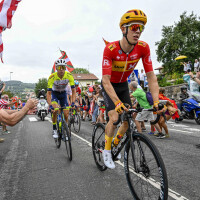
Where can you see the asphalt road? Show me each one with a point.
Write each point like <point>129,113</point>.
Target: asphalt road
<point>32,168</point>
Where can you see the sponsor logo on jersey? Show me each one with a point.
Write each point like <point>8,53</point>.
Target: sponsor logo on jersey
<point>119,65</point>
<point>112,47</point>
<point>117,57</point>
<point>131,66</point>
<point>106,62</point>
<point>133,57</point>
<point>120,52</point>
<point>142,44</point>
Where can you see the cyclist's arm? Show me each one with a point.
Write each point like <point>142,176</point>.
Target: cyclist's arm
<point>109,88</point>
<point>73,94</point>
<point>151,77</point>
<point>49,88</point>
<point>153,85</point>
<point>49,97</point>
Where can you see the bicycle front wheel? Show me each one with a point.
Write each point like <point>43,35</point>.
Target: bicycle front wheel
<point>98,145</point>
<point>77,123</point>
<point>145,170</point>
<point>58,140</point>
<point>67,140</point>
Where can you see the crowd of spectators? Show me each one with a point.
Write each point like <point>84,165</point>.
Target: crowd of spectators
<point>10,114</point>
<point>188,66</point>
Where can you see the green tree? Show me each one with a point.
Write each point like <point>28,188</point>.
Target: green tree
<point>9,93</point>
<point>42,84</point>
<point>80,71</point>
<point>182,38</point>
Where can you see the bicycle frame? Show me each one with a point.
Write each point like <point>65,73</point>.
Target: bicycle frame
<point>116,150</point>
<point>130,131</point>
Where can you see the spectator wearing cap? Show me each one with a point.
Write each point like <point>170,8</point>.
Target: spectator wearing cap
<point>2,87</point>
<point>196,65</point>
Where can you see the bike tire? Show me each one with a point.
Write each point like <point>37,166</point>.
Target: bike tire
<point>42,117</point>
<point>98,144</point>
<point>66,134</point>
<point>77,123</point>
<point>147,179</point>
<point>197,120</point>
<point>58,140</point>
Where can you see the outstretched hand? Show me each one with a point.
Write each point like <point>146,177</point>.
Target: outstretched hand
<point>31,103</point>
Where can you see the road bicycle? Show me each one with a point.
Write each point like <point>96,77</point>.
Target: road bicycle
<point>63,133</point>
<point>74,120</point>
<point>144,168</point>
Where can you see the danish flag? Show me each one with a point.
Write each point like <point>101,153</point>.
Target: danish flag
<point>7,10</point>
<point>70,67</point>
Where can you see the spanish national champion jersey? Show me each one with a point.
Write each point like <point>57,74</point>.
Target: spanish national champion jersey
<point>60,85</point>
<point>119,65</point>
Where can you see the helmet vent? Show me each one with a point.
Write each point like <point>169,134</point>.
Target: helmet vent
<point>136,13</point>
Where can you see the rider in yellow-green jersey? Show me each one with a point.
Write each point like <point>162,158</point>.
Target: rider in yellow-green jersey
<point>56,91</point>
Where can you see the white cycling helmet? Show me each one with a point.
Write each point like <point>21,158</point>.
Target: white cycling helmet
<point>60,62</point>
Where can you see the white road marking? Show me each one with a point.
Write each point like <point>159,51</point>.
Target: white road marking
<point>179,125</point>
<point>33,119</point>
<point>187,132</point>
<point>172,193</point>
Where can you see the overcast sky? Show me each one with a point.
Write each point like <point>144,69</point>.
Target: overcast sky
<point>41,27</point>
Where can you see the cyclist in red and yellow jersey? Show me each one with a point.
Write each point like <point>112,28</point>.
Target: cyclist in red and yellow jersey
<point>119,60</point>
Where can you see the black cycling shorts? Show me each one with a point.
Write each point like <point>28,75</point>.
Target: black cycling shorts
<point>122,91</point>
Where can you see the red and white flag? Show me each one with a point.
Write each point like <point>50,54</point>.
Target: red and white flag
<point>70,67</point>
<point>7,10</point>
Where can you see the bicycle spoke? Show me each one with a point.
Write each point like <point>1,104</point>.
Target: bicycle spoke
<point>144,177</point>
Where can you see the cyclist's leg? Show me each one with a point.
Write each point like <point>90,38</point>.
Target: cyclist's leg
<point>64,103</point>
<point>124,96</point>
<point>109,131</point>
<point>66,113</point>
<point>54,102</point>
<point>54,119</point>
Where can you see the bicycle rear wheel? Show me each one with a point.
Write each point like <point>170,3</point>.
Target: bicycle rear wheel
<point>77,123</point>
<point>145,170</point>
<point>98,144</point>
<point>67,140</point>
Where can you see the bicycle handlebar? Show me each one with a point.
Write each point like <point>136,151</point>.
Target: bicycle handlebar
<point>139,110</point>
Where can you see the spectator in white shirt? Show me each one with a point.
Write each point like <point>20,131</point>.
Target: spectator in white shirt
<point>196,65</point>
<point>142,75</point>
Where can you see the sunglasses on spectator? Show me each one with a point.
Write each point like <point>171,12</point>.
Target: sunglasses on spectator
<point>135,27</point>
<point>61,68</point>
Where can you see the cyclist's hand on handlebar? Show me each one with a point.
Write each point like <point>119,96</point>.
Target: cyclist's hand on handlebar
<point>120,107</point>
<point>73,105</point>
